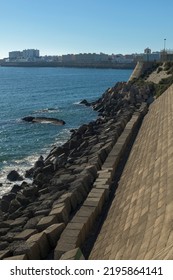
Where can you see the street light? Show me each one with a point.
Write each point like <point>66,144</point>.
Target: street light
<point>164,44</point>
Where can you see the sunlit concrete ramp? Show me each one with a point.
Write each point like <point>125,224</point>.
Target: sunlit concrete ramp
<point>139,224</point>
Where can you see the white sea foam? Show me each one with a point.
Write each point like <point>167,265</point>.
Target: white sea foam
<point>26,163</point>
<point>47,110</point>
<point>77,103</point>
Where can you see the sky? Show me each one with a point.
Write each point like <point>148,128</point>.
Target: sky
<point>57,27</point>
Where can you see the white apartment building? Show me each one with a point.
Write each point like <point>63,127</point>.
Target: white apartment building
<point>30,53</point>
<point>25,55</point>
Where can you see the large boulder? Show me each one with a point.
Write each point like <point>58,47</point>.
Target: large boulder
<point>14,176</point>
<point>43,120</point>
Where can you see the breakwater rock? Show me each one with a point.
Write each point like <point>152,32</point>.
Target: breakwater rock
<point>43,120</point>
<point>33,215</point>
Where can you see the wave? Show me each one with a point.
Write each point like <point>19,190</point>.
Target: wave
<point>46,110</point>
<point>77,103</point>
<point>21,165</point>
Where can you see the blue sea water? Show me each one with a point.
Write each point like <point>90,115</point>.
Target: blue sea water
<point>46,92</point>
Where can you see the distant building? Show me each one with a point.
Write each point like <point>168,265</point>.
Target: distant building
<point>14,55</point>
<point>30,54</point>
<point>166,55</point>
<point>147,51</point>
<point>25,55</point>
<point>148,56</point>
<point>85,58</point>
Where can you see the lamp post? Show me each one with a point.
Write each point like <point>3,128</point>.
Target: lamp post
<point>164,45</point>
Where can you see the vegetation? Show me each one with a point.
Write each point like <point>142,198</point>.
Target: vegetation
<point>164,84</point>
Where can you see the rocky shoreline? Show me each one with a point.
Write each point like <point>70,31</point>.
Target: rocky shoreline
<point>61,182</point>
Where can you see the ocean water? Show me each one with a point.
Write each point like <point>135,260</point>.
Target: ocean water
<point>45,92</point>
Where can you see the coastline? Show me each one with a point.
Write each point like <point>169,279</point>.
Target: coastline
<point>104,65</point>
<point>62,180</point>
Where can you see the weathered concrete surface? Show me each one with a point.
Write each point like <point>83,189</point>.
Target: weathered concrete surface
<point>139,221</point>
<point>139,69</point>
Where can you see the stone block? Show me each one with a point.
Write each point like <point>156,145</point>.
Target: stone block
<point>105,172</point>
<point>65,199</point>
<point>103,180</point>
<point>6,224</point>
<point>78,196</point>
<point>98,194</point>
<point>5,254</point>
<point>32,250</point>
<point>19,222</point>
<point>74,233</point>
<point>3,231</point>
<point>94,202</point>
<point>61,248</point>
<point>3,245</point>
<point>86,220</point>
<point>53,233</point>
<point>24,235</point>
<point>80,188</point>
<point>42,241</point>
<point>112,162</point>
<point>31,223</point>
<point>75,254</point>
<point>92,169</point>
<point>60,212</point>
<point>18,257</point>
<point>73,200</point>
<point>99,186</point>
<point>45,222</point>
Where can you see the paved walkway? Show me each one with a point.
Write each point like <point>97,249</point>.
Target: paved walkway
<point>139,224</point>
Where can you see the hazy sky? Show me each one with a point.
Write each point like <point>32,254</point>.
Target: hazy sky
<point>58,27</point>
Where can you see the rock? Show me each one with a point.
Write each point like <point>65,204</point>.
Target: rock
<point>14,205</point>
<point>85,102</point>
<point>22,199</point>
<point>14,176</point>
<point>30,191</point>
<point>39,163</point>
<point>4,205</point>
<point>16,189</point>
<point>28,119</point>
<point>29,173</point>
<point>3,245</point>
<point>9,196</point>
<point>43,120</point>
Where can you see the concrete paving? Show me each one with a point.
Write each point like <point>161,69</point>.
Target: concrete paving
<point>139,224</point>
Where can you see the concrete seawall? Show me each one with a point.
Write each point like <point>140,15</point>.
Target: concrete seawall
<point>139,222</point>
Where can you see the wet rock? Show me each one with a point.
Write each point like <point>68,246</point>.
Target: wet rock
<point>14,176</point>
<point>39,163</point>
<point>43,120</point>
<point>85,102</point>
<point>29,173</point>
<point>16,188</point>
<point>28,119</point>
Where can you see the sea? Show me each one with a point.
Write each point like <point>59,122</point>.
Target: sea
<point>45,92</point>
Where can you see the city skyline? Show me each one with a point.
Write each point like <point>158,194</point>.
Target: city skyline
<point>60,27</point>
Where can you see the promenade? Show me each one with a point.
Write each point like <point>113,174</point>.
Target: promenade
<point>139,224</point>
